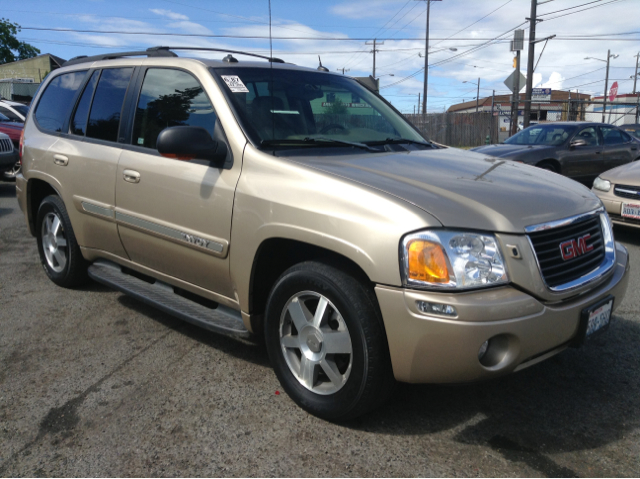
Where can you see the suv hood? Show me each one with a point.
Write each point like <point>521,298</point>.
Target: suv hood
<point>464,189</point>
<point>510,151</point>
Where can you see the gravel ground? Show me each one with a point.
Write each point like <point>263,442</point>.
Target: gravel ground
<point>93,383</point>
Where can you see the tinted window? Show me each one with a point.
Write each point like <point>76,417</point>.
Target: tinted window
<point>612,136</point>
<point>104,119</point>
<point>552,135</point>
<point>55,103</point>
<point>79,122</point>
<point>590,135</point>
<point>170,98</point>
<point>9,114</point>
<point>22,109</point>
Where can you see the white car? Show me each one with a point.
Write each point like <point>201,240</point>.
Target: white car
<point>13,110</point>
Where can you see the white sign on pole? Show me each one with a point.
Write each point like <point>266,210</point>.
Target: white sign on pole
<point>541,95</point>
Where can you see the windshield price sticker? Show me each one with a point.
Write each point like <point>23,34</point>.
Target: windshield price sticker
<point>235,84</point>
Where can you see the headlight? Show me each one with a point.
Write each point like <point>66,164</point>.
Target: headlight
<point>452,260</point>
<point>602,185</point>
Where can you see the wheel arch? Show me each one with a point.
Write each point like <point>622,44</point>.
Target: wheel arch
<point>37,190</point>
<point>550,161</point>
<point>275,255</point>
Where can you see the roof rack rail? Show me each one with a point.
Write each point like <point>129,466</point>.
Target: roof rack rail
<point>159,52</point>
<point>149,52</point>
<point>224,50</point>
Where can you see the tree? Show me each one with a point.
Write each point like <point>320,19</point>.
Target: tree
<point>12,49</point>
<point>337,108</point>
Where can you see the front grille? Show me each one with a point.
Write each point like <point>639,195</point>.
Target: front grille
<point>5,145</point>
<point>554,269</point>
<point>626,191</point>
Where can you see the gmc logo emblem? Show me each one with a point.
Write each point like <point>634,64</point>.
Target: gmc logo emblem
<point>572,248</point>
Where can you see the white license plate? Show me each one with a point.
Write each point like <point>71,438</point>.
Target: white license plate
<point>631,210</point>
<point>599,318</point>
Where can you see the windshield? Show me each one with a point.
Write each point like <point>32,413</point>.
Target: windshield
<point>632,129</point>
<point>4,117</point>
<point>551,135</point>
<point>285,107</point>
<point>22,109</point>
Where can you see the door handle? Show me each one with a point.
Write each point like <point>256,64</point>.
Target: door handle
<point>598,152</point>
<point>60,160</point>
<point>131,176</point>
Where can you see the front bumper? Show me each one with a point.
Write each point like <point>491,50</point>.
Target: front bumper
<point>613,205</point>
<point>430,349</point>
<point>7,160</point>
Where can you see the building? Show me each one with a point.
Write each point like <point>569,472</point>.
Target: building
<point>623,110</point>
<point>35,68</point>
<point>556,109</point>
<point>20,80</point>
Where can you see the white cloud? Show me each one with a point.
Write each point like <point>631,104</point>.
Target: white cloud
<point>191,27</point>
<point>169,14</point>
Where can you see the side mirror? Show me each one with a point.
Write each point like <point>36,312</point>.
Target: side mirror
<point>578,142</point>
<point>190,143</point>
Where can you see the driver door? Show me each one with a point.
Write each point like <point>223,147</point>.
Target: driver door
<point>585,162</point>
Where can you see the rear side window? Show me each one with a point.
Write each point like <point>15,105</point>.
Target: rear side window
<point>56,101</point>
<point>79,122</point>
<point>104,119</point>
<point>170,98</point>
<point>612,136</point>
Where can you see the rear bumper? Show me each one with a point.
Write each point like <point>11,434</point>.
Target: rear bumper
<point>429,349</point>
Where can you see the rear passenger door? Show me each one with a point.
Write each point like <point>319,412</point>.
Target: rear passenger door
<point>80,114</point>
<point>175,216</point>
<point>617,147</point>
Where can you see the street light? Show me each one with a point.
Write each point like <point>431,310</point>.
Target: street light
<point>478,94</point>
<point>606,80</point>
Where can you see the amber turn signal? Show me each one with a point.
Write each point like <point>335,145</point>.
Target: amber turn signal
<point>427,262</point>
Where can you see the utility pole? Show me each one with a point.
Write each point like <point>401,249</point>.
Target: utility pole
<point>418,103</point>
<point>606,86</point>
<point>493,100</point>
<point>478,95</point>
<point>516,97</point>
<point>530,55</point>
<point>635,77</point>
<point>426,60</point>
<point>374,43</point>
<point>343,70</point>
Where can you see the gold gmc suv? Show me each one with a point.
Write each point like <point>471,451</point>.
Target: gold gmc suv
<point>258,197</point>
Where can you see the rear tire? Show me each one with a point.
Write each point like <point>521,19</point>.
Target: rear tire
<point>326,342</point>
<point>60,254</point>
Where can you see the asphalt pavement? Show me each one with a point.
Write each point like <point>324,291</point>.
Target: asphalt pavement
<point>94,383</point>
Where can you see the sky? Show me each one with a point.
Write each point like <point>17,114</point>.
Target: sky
<point>338,32</point>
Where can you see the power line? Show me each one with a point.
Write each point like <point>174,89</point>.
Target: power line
<point>569,8</point>
<point>584,9</point>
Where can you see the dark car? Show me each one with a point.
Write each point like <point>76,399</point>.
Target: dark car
<point>13,130</point>
<point>633,129</point>
<point>579,150</point>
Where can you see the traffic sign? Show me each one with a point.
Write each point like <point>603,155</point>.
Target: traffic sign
<point>613,92</point>
<point>511,81</point>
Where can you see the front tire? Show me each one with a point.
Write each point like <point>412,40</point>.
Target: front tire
<point>11,174</point>
<point>59,251</point>
<point>327,343</point>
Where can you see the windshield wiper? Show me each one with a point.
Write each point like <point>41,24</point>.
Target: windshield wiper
<point>397,141</point>
<point>311,141</point>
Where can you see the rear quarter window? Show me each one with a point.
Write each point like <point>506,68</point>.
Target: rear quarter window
<point>56,101</point>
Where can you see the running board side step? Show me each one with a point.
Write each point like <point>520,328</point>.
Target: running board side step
<point>160,295</point>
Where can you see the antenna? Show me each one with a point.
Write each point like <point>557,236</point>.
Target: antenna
<point>320,67</point>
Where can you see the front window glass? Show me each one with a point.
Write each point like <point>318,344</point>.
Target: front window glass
<point>283,107</point>
<point>56,101</point>
<point>104,119</point>
<point>170,98</point>
<point>590,135</point>
<point>550,135</point>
